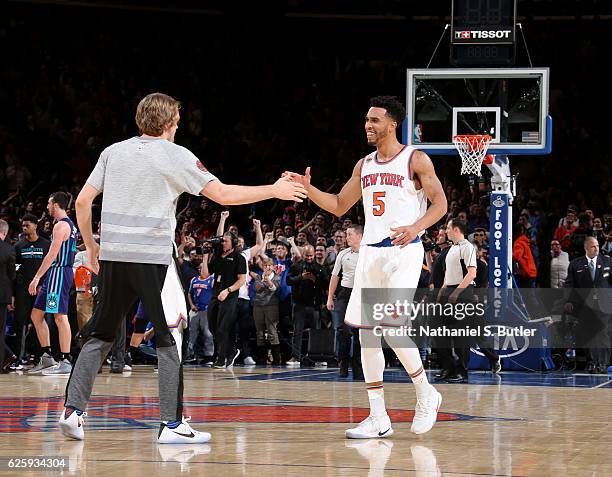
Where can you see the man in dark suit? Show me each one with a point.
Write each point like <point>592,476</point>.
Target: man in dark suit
<point>590,300</point>
<point>7,275</point>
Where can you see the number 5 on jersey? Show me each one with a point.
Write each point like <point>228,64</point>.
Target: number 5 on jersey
<point>378,205</point>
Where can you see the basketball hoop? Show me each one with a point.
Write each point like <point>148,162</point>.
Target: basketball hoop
<point>472,148</point>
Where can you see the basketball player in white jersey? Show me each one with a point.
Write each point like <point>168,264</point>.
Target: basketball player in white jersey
<point>394,182</point>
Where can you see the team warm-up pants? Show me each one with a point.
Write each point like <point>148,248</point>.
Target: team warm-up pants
<point>120,284</point>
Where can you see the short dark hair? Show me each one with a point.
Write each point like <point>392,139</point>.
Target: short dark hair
<point>62,199</point>
<point>458,224</point>
<point>395,109</point>
<point>30,218</point>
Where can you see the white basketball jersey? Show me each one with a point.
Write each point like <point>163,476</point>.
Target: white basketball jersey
<point>390,198</point>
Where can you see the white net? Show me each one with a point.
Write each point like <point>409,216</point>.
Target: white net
<point>472,149</point>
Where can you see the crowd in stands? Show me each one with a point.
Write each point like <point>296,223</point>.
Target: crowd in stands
<point>251,112</point>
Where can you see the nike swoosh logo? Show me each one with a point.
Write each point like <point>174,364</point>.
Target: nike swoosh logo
<point>380,434</point>
<point>191,434</point>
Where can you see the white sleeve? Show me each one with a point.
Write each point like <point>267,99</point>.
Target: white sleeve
<point>469,255</point>
<point>338,263</point>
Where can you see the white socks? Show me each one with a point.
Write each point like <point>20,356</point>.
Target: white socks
<point>373,363</point>
<point>408,354</point>
<point>376,395</point>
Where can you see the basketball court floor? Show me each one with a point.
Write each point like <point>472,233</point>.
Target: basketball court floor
<point>291,422</point>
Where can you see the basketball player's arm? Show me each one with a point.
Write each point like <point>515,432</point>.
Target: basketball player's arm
<point>61,232</point>
<point>337,204</point>
<point>423,168</point>
<point>229,194</point>
<point>83,212</point>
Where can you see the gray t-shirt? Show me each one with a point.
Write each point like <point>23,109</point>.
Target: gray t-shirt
<point>347,261</point>
<point>142,179</point>
<point>462,250</point>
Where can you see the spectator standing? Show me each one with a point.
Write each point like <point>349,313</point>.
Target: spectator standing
<point>590,279</point>
<point>266,311</point>
<point>29,254</point>
<point>339,244</point>
<point>567,226</point>
<point>7,275</point>
<point>308,280</point>
<point>555,268</point>
<point>525,270</point>
<point>199,296</point>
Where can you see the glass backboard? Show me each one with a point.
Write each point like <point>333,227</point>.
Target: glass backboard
<point>509,104</point>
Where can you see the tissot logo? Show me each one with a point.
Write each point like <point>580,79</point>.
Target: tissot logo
<point>482,34</point>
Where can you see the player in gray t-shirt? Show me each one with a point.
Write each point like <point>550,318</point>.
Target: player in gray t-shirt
<point>142,179</point>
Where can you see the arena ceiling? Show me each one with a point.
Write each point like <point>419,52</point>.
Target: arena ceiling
<point>392,10</point>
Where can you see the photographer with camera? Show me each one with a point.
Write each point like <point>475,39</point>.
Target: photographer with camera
<point>229,267</point>
<point>245,316</point>
<point>309,281</point>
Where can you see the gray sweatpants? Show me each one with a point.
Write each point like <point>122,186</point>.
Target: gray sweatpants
<point>86,369</point>
<point>119,285</point>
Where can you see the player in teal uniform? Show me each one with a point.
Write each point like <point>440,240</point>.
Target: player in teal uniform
<point>54,294</point>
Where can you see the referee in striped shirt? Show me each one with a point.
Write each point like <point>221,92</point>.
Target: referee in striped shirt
<point>346,262</point>
<point>458,279</point>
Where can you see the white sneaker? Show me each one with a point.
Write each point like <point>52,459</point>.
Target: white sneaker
<point>72,426</point>
<point>183,434</point>
<point>127,367</point>
<point>45,361</point>
<point>426,412</point>
<point>248,361</point>
<point>321,364</point>
<point>293,362</point>
<point>63,368</point>
<point>371,427</point>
